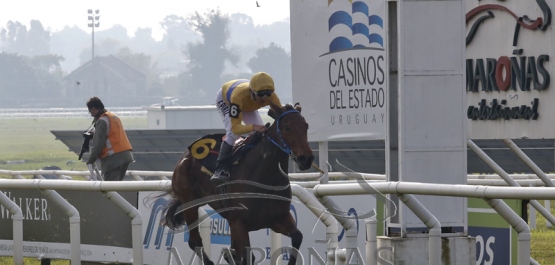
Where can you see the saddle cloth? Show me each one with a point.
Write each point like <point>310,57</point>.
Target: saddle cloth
<point>206,149</point>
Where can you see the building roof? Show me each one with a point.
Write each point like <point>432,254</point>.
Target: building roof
<point>111,63</point>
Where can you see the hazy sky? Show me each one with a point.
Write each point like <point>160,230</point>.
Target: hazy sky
<point>55,14</point>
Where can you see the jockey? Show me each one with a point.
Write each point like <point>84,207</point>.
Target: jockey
<point>238,102</point>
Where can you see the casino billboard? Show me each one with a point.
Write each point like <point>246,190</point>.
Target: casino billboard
<point>338,51</point>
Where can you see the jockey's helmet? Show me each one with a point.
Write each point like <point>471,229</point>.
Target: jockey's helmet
<point>262,81</point>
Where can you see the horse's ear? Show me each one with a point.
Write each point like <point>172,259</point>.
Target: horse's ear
<point>274,111</point>
<point>298,107</point>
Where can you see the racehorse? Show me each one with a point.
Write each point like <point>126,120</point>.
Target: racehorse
<point>258,195</point>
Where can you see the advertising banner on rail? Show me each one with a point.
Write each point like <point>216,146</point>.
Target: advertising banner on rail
<point>159,241</point>
<point>105,229</point>
<point>496,241</point>
<point>338,53</point>
<point>508,68</point>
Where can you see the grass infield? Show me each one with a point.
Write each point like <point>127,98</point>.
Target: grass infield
<point>28,144</point>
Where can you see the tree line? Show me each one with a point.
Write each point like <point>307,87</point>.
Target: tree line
<point>196,55</point>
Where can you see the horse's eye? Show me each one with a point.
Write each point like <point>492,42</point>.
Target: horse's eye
<point>286,128</point>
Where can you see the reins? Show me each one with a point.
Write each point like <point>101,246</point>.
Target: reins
<point>283,147</point>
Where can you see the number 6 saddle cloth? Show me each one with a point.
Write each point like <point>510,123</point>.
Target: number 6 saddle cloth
<point>206,149</point>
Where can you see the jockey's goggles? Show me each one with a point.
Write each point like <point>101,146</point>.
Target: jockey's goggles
<point>263,93</point>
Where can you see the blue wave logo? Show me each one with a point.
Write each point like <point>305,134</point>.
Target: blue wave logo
<point>351,211</point>
<point>155,228</point>
<point>342,18</point>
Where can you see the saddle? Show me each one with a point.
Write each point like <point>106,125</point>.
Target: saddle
<point>206,149</point>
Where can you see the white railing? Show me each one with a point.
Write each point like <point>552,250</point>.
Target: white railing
<point>308,179</point>
<point>109,188</point>
<point>69,174</point>
<point>491,194</point>
<point>66,112</point>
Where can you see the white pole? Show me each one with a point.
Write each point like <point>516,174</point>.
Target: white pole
<point>371,241</point>
<point>17,220</point>
<point>434,227</point>
<point>484,157</point>
<point>498,182</point>
<point>452,190</point>
<point>522,179</point>
<point>518,224</point>
<point>532,217</point>
<point>275,245</point>
<point>543,211</point>
<point>323,161</point>
<point>532,214</point>
<point>318,209</point>
<point>351,237</point>
<point>74,223</point>
<point>136,224</point>
<point>547,204</point>
<point>52,184</point>
<point>548,182</point>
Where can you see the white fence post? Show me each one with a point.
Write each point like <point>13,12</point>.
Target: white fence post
<point>547,204</point>
<point>74,223</point>
<point>17,218</point>
<point>136,224</point>
<point>371,241</point>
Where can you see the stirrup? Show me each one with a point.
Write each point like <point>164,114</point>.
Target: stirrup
<point>219,177</point>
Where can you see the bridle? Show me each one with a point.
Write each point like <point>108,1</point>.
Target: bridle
<point>283,146</point>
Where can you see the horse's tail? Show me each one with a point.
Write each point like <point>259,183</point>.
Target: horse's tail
<point>173,221</point>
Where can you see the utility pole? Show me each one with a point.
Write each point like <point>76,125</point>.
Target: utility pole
<point>94,23</point>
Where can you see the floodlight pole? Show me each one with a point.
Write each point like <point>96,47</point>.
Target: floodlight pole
<point>94,23</point>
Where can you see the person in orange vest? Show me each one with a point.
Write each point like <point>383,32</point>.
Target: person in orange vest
<point>238,102</point>
<point>109,143</point>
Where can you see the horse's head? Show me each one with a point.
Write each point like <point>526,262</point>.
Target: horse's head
<point>291,132</point>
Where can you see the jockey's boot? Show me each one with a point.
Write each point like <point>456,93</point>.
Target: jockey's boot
<point>221,174</point>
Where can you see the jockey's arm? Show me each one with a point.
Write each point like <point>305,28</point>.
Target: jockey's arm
<point>238,128</point>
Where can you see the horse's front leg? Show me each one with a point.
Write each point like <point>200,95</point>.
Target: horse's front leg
<point>239,242</point>
<point>195,241</point>
<point>287,227</point>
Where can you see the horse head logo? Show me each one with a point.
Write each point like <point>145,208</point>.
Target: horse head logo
<point>521,21</point>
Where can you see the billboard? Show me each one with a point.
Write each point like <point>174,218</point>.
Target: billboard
<point>338,53</point>
<point>496,241</point>
<point>508,69</point>
<point>159,240</point>
<point>105,229</point>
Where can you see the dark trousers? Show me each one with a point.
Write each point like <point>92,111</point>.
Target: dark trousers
<point>116,174</point>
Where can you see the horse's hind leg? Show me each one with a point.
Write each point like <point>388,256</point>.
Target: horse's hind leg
<point>195,241</point>
<point>288,228</point>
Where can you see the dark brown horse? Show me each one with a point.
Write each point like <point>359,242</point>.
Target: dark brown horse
<point>258,195</point>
